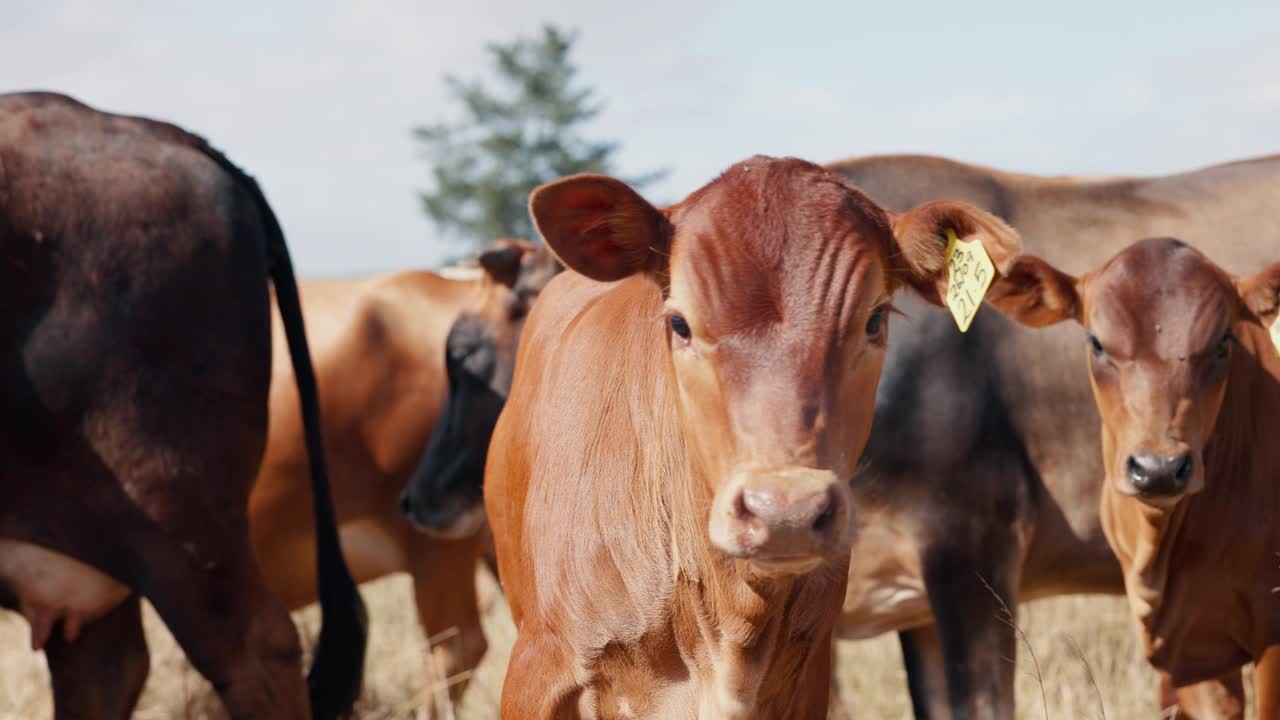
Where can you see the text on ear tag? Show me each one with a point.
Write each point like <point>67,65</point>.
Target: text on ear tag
<point>1275,334</point>
<point>969,274</point>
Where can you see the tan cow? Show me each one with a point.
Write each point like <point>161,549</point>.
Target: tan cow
<point>667,483</point>
<point>1186,377</point>
<point>379,350</point>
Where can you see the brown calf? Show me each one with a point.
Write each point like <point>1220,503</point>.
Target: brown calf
<point>1187,381</point>
<point>380,355</point>
<point>667,483</point>
<point>135,354</point>
<point>973,494</point>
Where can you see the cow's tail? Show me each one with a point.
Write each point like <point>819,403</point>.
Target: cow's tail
<point>337,668</point>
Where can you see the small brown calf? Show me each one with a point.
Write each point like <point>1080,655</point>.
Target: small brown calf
<point>1187,380</point>
<point>668,483</point>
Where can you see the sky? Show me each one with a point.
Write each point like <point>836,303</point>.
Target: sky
<point>317,98</point>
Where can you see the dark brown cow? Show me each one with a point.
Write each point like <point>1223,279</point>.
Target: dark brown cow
<point>1187,381</point>
<point>667,484</point>
<point>380,352</point>
<point>135,354</point>
<point>973,486</point>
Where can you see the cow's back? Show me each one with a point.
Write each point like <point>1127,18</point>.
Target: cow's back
<point>132,279</point>
<point>135,357</point>
<point>1225,206</point>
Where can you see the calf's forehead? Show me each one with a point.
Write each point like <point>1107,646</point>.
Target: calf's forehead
<point>1161,295</point>
<point>770,238</point>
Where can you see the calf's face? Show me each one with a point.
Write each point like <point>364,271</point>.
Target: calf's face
<point>776,279</point>
<point>1161,322</point>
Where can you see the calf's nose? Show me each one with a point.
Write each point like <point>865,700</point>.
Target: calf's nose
<point>788,519</point>
<point>1155,475</point>
<point>808,510</point>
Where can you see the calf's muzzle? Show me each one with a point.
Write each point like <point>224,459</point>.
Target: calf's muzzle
<point>787,519</point>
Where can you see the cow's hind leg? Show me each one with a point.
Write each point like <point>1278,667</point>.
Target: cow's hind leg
<point>926,672</point>
<point>192,554</point>
<point>100,672</point>
<point>235,632</point>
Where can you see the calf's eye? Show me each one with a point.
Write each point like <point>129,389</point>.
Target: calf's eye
<point>875,323</point>
<point>1094,345</point>
<point>1224,346</point>
<point>680,327</point>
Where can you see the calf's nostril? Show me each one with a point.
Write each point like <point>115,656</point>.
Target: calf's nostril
<point>1135,470</point>
<point>1184,469</point>
<point>823,521</point>
<point>1160,475</point>
<point>740,509</point>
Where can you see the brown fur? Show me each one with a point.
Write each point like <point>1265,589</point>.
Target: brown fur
<point>984,412</point>
<point>620,439</point>
<point>1199,558</point>
<point>134,356</point>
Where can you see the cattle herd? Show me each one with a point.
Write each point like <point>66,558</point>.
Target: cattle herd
<point>686,437</point>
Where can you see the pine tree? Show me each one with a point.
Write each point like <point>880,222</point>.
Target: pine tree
<point>512,140</point>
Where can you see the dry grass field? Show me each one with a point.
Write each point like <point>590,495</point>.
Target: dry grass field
<point>1079,660</point>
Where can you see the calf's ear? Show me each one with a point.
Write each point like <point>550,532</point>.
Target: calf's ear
<point>1261,294</point>
<point>600,227</point>
<point>920,258</point>
<point>1036,294</point>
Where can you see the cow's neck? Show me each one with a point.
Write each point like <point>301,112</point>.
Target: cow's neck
<point>1222,541</point>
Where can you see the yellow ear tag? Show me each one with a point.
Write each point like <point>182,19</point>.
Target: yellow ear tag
<point>969,274</point>
<point>1275,334</point>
